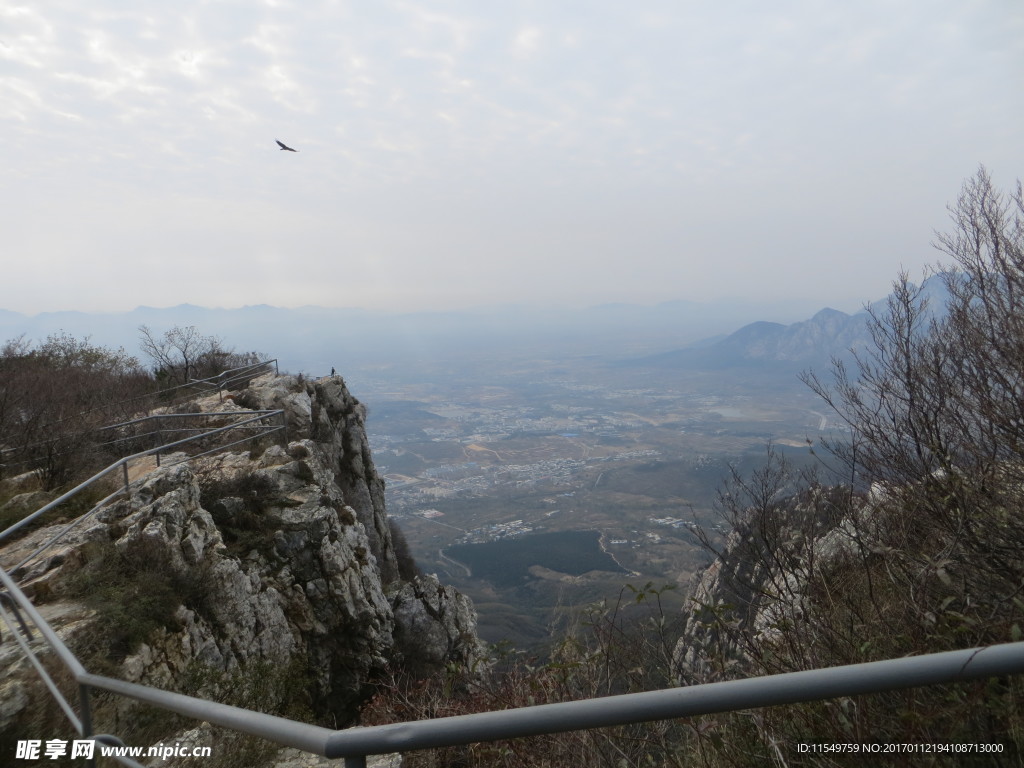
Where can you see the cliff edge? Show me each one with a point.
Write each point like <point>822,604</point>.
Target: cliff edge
<point>275,560</point>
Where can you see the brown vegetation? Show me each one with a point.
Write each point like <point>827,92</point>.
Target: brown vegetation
<point>55,396</point>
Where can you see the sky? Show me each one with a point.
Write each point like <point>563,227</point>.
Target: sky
<point>472,154</point>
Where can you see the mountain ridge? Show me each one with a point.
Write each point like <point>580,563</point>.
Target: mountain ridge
<point>828,334</point>
<point>311,337</point>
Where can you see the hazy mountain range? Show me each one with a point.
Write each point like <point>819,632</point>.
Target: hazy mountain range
<point>816,341</point>
<point>678,334</point>
<point>828,333</point>
<point>316,338</point>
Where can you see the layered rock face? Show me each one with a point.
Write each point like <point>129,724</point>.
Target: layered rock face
<point>282,556</point>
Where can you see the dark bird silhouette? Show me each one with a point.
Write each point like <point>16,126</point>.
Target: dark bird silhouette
<point>285,146</point>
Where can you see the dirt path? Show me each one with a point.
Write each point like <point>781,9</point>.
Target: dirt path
<point>141,467</point>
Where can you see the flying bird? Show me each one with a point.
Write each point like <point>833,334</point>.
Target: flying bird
<point>285,146</point>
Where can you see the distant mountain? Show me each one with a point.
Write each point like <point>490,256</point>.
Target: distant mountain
<point>828,334</point>
<point>314,339</point>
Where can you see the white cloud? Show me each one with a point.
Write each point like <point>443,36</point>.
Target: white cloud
<point>28,39</point>
<point>526,140</point>
<point>19,100</point>
<point>526,41</point>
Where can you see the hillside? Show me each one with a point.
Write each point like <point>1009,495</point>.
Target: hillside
<point>913,545</point>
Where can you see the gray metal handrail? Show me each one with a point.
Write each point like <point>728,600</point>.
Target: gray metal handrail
<point>234,374</point>
<point>124,462</point>
<point>355,744</point>
<point>225,379</point>
<point>14,598</point>
<point>224,382</point>
<point>205,431</point>
<point>160,416</point>
<point>690,701</point>
<point>220,382</point>
<point>123,489</point>
<point>83,724</point>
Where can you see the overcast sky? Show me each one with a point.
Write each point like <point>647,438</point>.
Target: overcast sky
<point>462,154</point>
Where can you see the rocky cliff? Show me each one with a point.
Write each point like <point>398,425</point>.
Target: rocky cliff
<point>763,588</point>
<point>278,557</point>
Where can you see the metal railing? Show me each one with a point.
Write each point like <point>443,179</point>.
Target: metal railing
<point>15,605</point>
<point>219,383</point>
<point>203,431</point>
<point>232,376</point>
<point>355,744</point>
<point>125,462</point>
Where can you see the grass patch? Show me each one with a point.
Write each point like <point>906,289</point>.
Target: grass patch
<point>263,686</point>
<point>79,504</point>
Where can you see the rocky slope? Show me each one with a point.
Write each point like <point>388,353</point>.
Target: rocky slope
<point>759,591</point>
<point>276,558</point>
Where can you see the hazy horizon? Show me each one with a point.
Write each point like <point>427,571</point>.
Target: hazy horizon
<point>319,337</point>
<point>798,303</point>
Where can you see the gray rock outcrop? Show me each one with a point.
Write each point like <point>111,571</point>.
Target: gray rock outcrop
<point>277,558</point>
<point>756,590</point>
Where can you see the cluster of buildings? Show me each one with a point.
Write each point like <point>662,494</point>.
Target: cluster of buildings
<point>672,522</point>
<point>495,532</point>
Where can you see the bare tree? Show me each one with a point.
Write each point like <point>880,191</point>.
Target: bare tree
<point>181,354</point>
<point>936,409</point>
<point>986,316</point>
<point>174,354</point>
<point>921,549</point>
<point>52,398</point>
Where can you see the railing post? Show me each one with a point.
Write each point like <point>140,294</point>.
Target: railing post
<point>86,718</point>
<point>124,466</point>
<point>12,605</point>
